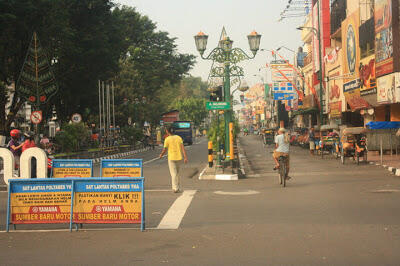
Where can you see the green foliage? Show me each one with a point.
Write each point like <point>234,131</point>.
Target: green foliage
<point>131,134</point>
<point>91,40</point>
<point>214,131</point>
<point>217,129</point>
<point>72,137</point>
<point>192,109</point>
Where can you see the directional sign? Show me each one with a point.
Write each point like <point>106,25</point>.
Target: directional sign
<point>218,106</point>
<point>36,117</point>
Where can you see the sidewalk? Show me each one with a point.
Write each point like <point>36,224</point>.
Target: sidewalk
<point>391,162</point>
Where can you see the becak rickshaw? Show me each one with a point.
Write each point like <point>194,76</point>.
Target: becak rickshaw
<point>268,136</point>
<point>328,139</point>
<point>353,144</point>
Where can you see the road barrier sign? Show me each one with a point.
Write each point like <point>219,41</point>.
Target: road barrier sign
<point>76,201</point>
<point>72,168</point>
<point>121,168</point>
<point>218,105</point>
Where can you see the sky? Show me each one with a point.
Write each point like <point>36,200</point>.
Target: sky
<point>185,18</point>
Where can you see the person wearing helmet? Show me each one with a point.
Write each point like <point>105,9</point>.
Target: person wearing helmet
<point>15,146</point>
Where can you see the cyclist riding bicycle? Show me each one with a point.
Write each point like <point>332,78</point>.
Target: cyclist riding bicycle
<point>282,146</point>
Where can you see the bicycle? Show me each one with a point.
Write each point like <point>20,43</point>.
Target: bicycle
<point>283,163</point>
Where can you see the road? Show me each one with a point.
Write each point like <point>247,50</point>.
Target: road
<point>329,214</point>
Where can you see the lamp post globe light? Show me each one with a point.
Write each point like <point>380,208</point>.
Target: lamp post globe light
<point>228,58</point>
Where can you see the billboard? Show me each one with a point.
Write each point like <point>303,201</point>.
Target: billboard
<point>281,72</point>
<point>383,37</point>
<point>335,97</point>
<point>389,88</point>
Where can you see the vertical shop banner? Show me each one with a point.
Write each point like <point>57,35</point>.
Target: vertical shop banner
<point>108,202</point>
<point>383,37</point>
<point>72,168</point>
<point>334,63</point>
<point>122,168</point>
<point>34,202</point>
<point>315,42</point>
<point>387,89</point>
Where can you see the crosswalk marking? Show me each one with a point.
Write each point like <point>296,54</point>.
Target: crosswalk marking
<point>173,218</point>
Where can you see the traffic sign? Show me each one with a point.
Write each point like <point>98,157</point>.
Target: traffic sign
<point>76,118</point>
<point>36,117</point>
<point>218,105</point>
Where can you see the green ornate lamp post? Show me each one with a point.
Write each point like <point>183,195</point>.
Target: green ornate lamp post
<point>228,57</point>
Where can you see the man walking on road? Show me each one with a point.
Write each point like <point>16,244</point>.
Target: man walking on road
<point>174,145</point>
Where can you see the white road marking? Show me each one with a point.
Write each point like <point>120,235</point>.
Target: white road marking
<point>172,219</point>
<point>233,193</point>
<point>202,172</point>
<point>385,190</point>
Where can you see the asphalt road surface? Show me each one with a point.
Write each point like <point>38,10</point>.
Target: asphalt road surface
<point>329,214</point>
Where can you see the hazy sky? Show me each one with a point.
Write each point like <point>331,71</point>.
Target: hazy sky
<point>185,18</point>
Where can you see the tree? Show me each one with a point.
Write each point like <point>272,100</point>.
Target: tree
<point>192,109</point>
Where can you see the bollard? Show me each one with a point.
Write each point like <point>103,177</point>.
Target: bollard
<point>210,154</point>
<point>231,149</point>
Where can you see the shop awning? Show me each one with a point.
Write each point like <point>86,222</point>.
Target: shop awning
<point>383,125</point>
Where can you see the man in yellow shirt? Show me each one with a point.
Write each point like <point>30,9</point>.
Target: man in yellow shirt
<point>174,145</point>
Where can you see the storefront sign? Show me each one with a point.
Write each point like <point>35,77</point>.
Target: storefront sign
<point>383,37</point>
<point>44,201</point>
<point>283,96</point>
<point>367,76</point>
<point>387,89</point>
<point>122,168</point>
<point>352,94</point>
<point>335,109</point>
<point>72,168</point>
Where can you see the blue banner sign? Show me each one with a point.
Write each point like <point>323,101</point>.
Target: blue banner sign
<point>72,168</point>
<point>76,201</point>
<point>122,168</point>
<point>283,96</point>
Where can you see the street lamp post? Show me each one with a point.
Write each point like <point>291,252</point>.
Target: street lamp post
<point>229,57</point>
<point>321,80</point>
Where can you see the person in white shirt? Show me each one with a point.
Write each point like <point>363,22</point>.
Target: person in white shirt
<point>282,147</point>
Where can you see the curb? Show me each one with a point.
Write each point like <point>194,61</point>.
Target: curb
<point>243,162</point>
<point>393,170</point>
<point>120,155</point>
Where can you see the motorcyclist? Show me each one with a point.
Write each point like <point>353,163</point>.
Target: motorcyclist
<point>15,146</point>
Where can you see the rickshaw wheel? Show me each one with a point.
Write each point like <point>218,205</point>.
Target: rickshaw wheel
<point>358,158</point>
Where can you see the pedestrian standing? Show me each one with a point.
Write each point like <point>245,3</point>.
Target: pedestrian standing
<point>311,140</point>
<point>15,146</point>
<point>30,143</point>
<point>174,145</point>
